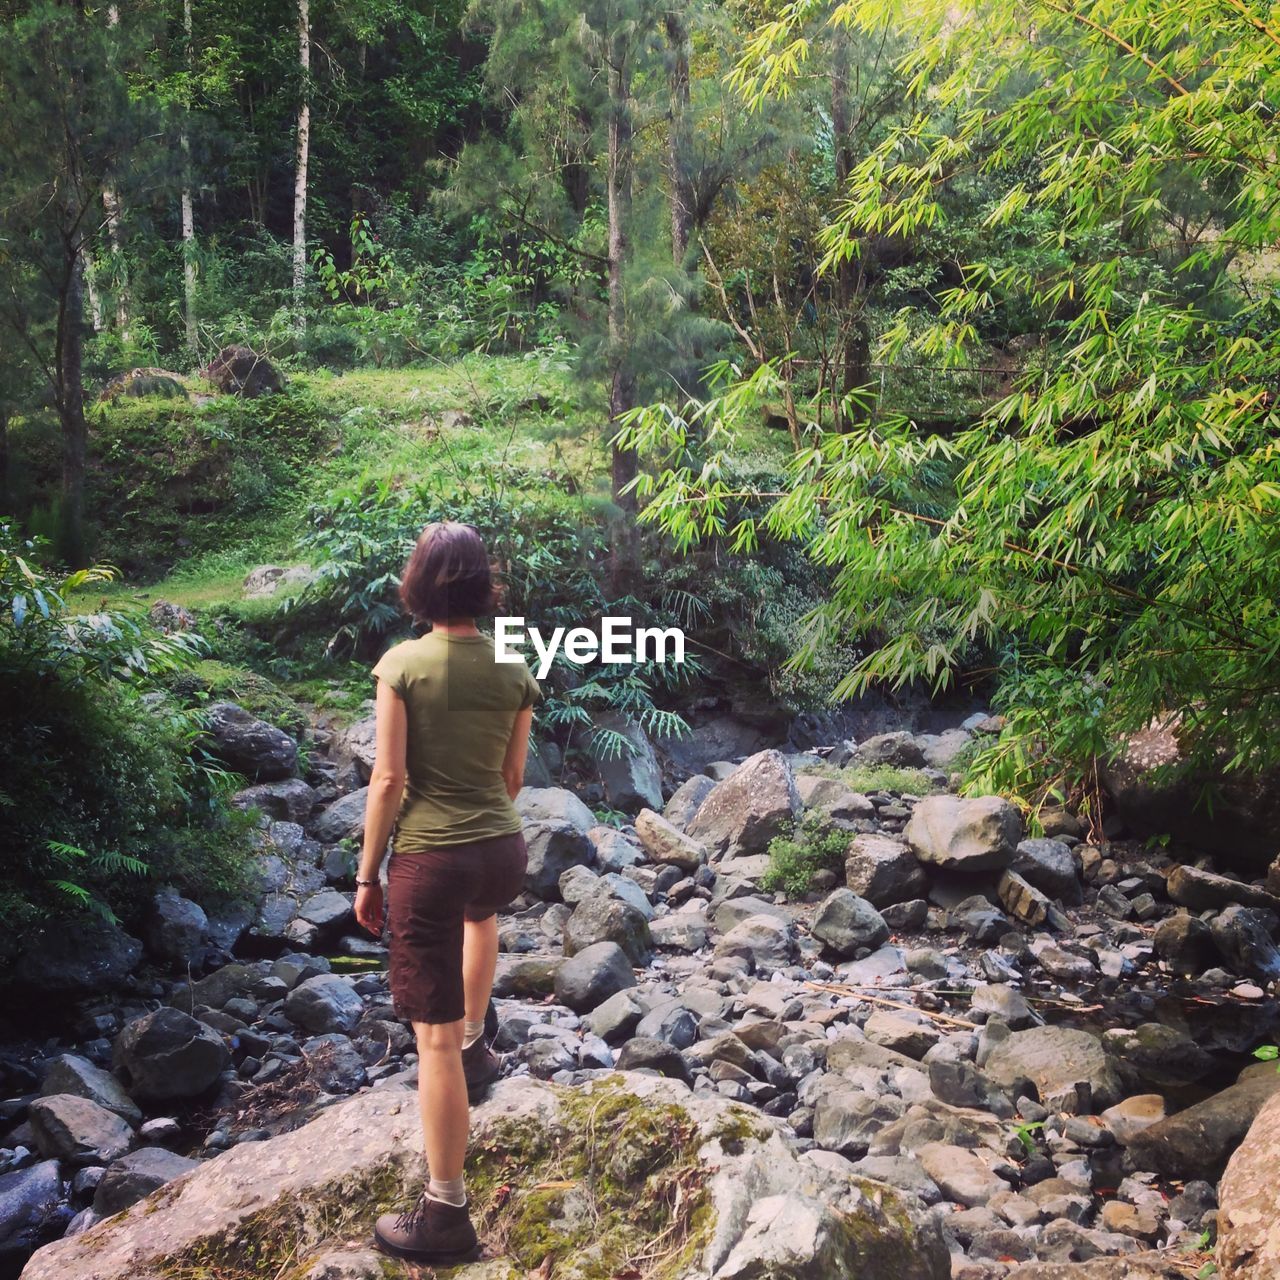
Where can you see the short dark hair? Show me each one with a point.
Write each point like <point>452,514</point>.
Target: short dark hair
<point>448,575</point>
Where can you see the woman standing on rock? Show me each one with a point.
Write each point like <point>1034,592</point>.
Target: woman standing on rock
<point>452,736</point>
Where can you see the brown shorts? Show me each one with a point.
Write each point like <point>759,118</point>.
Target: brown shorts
<point>429,896</point>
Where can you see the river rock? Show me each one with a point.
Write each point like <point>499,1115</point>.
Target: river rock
<point>330,911</point>
<point>1052,867</point>
<point>1058,1061</point>
<point>166,1055</point>
<point>680,931</point>
<point>883,871</point>
<point>1133,1266</point>
<point>136,1175</point>
<point>331,1177</point>
<point>744,812</point>
<point>525,977</point>
<point>666,844</point>
<point>602,918</point>
<point>68,1127</point>
<point>176,929</point>
<point>1197,1142</point>
<point>1243,938</point>
<point>687,799</point>
<point>764,940</point>
<point>846,922</point>
<point>630,777</point>
<point>615,1019</point>
<point>289,800</point>
<point>1205,891</point>
<point>942,750</point>
<point>733,911</point>
<point>1185,943</point>
<point>323,1004</point>
<point>833,798</point>
<point>614,850</point>
<point>1156,1054</point>
<point>901,1033</point>
<point>1248,1245</point>
<point>590,977</point>
<point>845,1119</point>
<point>961,1175</point>
<point>94,957</point>
<point>32,1211</point>
<point>248,745</point>
<point>554,804</point>
<point>964,835</point>
<point>1129,1118</point>
<point>898,748</point>
<point>343,819</point>
<point>554,845</point>
<point>1023,901</point>
<point>70,1073</point>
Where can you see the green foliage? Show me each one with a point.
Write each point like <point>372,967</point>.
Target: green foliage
<point>814,845</point>
<point>1268,1053</point>
<point>866,778</point>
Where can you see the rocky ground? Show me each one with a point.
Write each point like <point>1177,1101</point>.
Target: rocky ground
<point>980,1055</point>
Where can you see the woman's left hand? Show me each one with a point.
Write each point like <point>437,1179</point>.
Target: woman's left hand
<point>369,908</point>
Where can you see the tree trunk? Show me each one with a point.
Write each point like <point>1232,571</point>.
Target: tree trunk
<point>69,393</point>
<point>678,138</point>
<point>114,209</point>
<point>300,179</point>
<point>855,337</point>
<point>188,208</point>
<point>624,540</point>
<point>4,459</point>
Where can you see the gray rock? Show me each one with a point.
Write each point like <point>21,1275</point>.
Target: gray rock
<point>961,1175</point>
<point>687,799</point>
<point>942,750</point>
<point>1185,943</point>
<point>1069,1068</point>
<point>640,1054</point>
<point>679,931</point>
<point>764,940</point>
<point>167,1055</point>
<point>95,957</point>
<point>269,933</point>
<point>1248,1229</point>
<point>846,922</point>
<point>554,846</point>
<point>999,1000</point>
<point>176,929</point>
<point>137,1175</point>
<point>289,800</point>
<point>601,918</point>
<point>883,871</point>
<point>590,977</point>
<point>67,1127</point>
<point>666,844</point>
<point>631,778</point>
<point>343,819</point>
<point>1051,867</point>
<point>833,798</point>
<point>330,911</point>
<point>525,977</point>
<point>1153,1053</point>
<point>1205,891</point>
<point>248,745</point>
<point>905,916</point>
<point>323,1004</point>
<point>901,1172</point>
<point>577,883</point>
<point>968,835</point>
<point>555,805</point>
<point>1025,902</point>
<point>901,1033</point>
<point>846,1119</point>
<point>614,850</point>
<point>615,1019</point>
<point>32,1211</point>
<point>70,1073</point>
<point>1065,965</point>
<point>1243,938</point>
<point>733,911</point>
<point>334,1064</point>
<point>671,1022</point>
<point>898,748</point>
<point>743,813</point>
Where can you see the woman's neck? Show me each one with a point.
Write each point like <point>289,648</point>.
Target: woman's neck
<point>457,627</point>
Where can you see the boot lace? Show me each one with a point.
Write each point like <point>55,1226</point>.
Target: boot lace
<point>412,1217</point>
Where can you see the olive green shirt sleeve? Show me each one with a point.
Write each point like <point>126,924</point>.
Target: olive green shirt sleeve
<point>532,691</point>
<point>392,669</point>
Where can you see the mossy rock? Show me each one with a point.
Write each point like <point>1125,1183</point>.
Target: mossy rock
<point>632,1175</point>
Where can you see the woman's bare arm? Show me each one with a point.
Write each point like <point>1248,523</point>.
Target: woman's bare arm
<point>517,752</point>
<point>386,783</point>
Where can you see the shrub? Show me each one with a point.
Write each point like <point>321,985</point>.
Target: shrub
<point>815,844</point>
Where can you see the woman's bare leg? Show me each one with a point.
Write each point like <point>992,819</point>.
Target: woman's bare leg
<point>479,960</point>
<point>442,1098</point>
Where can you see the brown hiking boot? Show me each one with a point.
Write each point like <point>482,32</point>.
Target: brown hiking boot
<point>432,1232</point>
<point>481,1067</point>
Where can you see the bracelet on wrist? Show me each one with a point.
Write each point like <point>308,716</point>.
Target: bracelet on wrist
<point>365,884</point>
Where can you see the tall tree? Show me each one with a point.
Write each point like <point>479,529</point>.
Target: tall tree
<point>679,162</point>
<point>190,325</point>
<point>303,155</point>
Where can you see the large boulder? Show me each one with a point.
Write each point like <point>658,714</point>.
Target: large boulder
<point>965,835</point>
<point>343,819</point>
<point>1205,891</point>
<point>70,1073</point>
<point>167,1055</point>
<point>136,1175</point>
<point>68,1127</point>
<point>845,923</point>
<point>833,798</point>
<point>32,1211</point>
<point>883,871</point>
<point>94,957</point>
<point>176,929</point>
<point>554,804</point>
<point>143,382</point>
<point>1197,1142</point>
<point>600,917</point>
<point>248,745</point>
<point>1243,938</point>
<point>898,748</point>
<point>275,579</point>
<point>629,774</point>
<point>757,1209</point>
<point>743,813</point>
<point>1052,867</point>
<point>593,975</point>
<point>666,843</point>
<point>687,799</point>
<point>1248,1226</point>
<point>324,1003</point>
<point>1070,1069</point>
<point>241,371</point>
<point>554,845</point>
<point>289,800</point>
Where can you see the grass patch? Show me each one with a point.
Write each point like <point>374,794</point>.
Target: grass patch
<point>866,778</point>
<point>815,844</point>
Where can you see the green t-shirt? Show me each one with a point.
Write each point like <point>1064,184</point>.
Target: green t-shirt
<point>461,704</point>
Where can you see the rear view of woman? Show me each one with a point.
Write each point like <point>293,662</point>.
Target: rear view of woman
<point>452,736</point>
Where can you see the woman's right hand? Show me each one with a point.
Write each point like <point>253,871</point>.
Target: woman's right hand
<point>369,908</point>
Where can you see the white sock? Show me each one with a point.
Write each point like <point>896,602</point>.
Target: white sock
<point>451,1191</point>
<point>471,1032</point>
